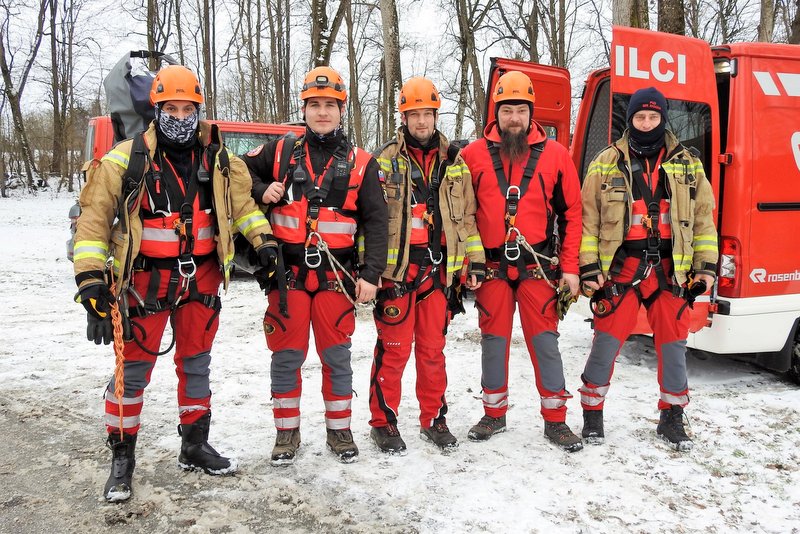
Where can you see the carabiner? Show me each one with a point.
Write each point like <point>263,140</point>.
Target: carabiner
<point>182,264</point>
<point>435,261</point>
<point>512,251</point>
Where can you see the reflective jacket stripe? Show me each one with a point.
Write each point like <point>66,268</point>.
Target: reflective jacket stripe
<point>117,156</point>
<point>331,227</point>
<point>90,249</point>
<point>249,222</point>
<point>474,244</point>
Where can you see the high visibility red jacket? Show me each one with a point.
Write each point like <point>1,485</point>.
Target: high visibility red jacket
<point>99,237</point>
<point>357,207</point>
<point>554,187</point>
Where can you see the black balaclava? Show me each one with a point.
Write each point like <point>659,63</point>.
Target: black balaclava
<point>647,143</point>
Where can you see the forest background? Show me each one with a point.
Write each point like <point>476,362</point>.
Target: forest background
<point>251,56</point>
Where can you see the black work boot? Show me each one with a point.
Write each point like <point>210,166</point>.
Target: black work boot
<point>671,431</point>
<point>593,427</point>
<point>388,439</point>
<point>487,427</point>
<point>196,453</point>
<point>118,486</point>
<point>560,434</point>
<point>440,436</point>
<point>286,444</point>
<point>340,442</point>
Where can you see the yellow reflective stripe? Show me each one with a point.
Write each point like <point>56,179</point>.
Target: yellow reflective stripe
<point>252,220</point>
<point>682,262</point>
<point>391,257</point>
<point>605,262</point>
<point>454,263</point>
<point>706,248</point>
<point>474,243</point>
<point>385,164</point>
<point>589,243</point>
<point>90,250</point>
<point>712,238</point>
<point>676,167</point>
<point>117,156</point>
<point>361,243</point>
<point>600,167</point>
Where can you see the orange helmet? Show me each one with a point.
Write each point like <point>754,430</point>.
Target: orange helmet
<point>418,93</point>
<point>325,82</point>
<point>514,85</point>
<point>175,82</point>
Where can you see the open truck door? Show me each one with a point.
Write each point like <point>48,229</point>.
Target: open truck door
<point>682,68</point>
<point>552,88</point>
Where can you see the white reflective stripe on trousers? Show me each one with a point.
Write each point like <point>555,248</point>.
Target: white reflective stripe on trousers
<point>337,424</point>
<point>127,422</point>
<point>337,405</point>
<point>287,422</point>
<point>495,400</point>
<point>126,401</point>
<point>680,400</point>
<point>191,408</point>
<point>285,402</point>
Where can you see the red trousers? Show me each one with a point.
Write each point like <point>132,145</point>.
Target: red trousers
<point>419,317</point>
<point>194,325</point>
<point>332,317</point>
<point>669,319</point>
<point>496,300</point>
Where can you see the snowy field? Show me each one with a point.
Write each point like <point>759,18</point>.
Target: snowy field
<point>742,475</point>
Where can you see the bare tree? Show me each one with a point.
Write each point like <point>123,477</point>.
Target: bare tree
<point>323,36</point>
<point>631,13</point>
<point>280,56</point>
<point>671,17</point>
<point>391,58</point>
<point>766,23</point>
<point>352,61</point>
<point>14,88</point>
<point>520,21</point>
<point>793,27</point>
<point>471,16</point>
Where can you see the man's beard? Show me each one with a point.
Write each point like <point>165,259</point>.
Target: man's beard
<point>514,145</point>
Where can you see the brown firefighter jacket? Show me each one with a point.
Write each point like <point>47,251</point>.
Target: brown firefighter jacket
<point>456,203</point>
<point>104,233</point>
<point>607,209</point>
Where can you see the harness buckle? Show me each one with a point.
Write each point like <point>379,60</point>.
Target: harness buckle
<point>512,249</point>
<point>312,254</point>
<point>183,264</point>
<point>512,193</point>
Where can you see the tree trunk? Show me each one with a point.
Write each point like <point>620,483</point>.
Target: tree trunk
<point>671,17</point>
<point>56,166</point>
<point>208,73</point>
<point>391,57</point>
<point>794,37</point>
<point>179,32</point>
<point>766,24</point>
<point>631,13</point>
<point>355,98</point>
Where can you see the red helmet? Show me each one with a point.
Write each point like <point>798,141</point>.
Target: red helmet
<point>323,82</point>
<point>175,82</point>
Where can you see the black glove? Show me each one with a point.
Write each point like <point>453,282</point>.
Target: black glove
<point>97,299</point>
<point>268,258</point>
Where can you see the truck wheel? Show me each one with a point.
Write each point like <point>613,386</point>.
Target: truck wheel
<point>794,365</point>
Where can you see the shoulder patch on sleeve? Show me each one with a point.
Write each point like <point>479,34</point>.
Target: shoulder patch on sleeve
<point>256,151</point>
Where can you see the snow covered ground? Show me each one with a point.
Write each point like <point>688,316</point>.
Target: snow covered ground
<point>742,475</point>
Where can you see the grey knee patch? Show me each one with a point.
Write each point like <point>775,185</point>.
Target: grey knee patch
<point>135,377</point>
<point>337,358</point>
<point>605,348</point>
<point>283,370</point>
<point>493,361</point>
<point>548,358</point>
<point>673,366</point>
<point>196,369</point>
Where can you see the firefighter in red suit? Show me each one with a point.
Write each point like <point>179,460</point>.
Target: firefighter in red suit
<point>323,193</point>
<point>648,239</point>
<point>524,184</point>
<point>431,231</point>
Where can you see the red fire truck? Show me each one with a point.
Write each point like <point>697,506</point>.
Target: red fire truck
<point>739,106</point>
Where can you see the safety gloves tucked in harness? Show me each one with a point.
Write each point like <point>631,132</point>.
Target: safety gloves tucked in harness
<point>268,259</point>
<point>97,299</point>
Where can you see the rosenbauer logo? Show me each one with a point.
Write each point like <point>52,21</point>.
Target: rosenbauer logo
<point>760,276</point>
